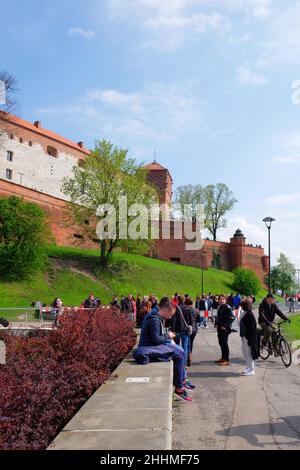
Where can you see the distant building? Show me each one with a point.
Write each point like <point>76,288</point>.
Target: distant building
<point>33,163</point>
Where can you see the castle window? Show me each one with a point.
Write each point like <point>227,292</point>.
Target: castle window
<point>9,156</point>
<point>76,235</point>
<point>21,140</point>
<point>52,151</point>
<point>9,174</point>
<point>30,143</point>
<point>81,163</point>
<point>11,137</point>
<point>175,260</point>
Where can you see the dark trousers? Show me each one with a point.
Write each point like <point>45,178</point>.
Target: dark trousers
<point>192,338</point>
<point>223,342</point>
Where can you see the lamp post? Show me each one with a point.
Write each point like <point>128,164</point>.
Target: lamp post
<point>268,221</point>
<point>202,269</point>
<point>298,271</point>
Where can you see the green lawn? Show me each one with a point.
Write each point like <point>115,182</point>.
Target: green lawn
<point>128,273</point>
<point>292,330</point>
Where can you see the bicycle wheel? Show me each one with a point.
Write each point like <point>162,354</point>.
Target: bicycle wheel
<point>264,352</point>
<point>285,352</point>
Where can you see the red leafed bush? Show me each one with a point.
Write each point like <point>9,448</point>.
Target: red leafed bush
<point>49,376</point>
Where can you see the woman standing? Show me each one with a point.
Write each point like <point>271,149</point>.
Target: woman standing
<point>224,321</point>
<point>249,338</point>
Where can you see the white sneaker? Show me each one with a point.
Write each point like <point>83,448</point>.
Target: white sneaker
<point>248,373</point>
<point>246,370</point>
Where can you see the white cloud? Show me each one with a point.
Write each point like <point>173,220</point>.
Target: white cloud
<point>168,24</point>
<point>222,132</point>
<point>253,233</point>
<point>291,149</point>
<point>282,42</point>
<point>84,33</point>
<point>284,199</point>
<point>157,115</point>
<point>245,76</point>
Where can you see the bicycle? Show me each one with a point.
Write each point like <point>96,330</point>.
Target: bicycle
<point>277,346</point>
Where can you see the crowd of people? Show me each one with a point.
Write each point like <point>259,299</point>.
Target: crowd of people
<point>169,328</point>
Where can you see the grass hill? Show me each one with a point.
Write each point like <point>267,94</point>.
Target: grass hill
<point>72,275</point>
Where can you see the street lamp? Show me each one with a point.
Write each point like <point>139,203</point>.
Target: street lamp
<point>202,269</point>
<point>268,221</point>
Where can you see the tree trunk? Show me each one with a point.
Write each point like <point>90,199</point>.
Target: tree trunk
<point>103,259</point>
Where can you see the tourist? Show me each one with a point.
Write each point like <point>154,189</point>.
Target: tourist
<point>196,320</point>
<point>146,308</point>
<point>4,322</point>
<point>182,325</point>
<point>215,306</point>
<point>249,337</point>
<point>266,316</point>
<point>224,321</point>
<point>138,303</point>
<point>89,302</point>
<point>230,300</point>
<point>292,303</point>
<point>155,345</point>
<point>202,306</point>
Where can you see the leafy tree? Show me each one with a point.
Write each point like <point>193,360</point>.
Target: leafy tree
<point>282,275</point>
<point>23,233</point>
<point>245,281</point>
<point>218,201</point>
<point>192,196</point>
<point>107,174</point>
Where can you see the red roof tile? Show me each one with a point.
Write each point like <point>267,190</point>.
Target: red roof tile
<point>44,132</point>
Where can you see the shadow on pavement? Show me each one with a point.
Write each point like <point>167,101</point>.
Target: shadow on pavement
<point>288,427</point>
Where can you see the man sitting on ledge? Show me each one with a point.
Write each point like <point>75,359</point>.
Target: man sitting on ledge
<point>155,345</point>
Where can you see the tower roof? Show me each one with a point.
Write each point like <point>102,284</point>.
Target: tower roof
<point>155,166</point>
<point>239,233</point>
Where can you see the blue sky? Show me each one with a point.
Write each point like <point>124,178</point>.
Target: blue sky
<point>208,83</point>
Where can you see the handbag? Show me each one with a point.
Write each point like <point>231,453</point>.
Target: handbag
<point>189,328</point>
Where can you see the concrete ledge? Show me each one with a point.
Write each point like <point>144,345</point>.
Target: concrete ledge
<point>124,415</point>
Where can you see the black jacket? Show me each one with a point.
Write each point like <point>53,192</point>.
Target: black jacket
<point>268,312</point>
<point>225,317</point>
<point>248,330</point>
<point>177,322</point>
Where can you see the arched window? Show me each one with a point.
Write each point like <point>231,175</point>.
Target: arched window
<point>52,151</point>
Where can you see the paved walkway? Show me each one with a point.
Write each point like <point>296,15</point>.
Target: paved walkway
<point>234,412</point>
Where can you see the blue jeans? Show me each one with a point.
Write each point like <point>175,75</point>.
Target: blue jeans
<point>184,339</point>
<point>202,320</point>
<point>178,359</point>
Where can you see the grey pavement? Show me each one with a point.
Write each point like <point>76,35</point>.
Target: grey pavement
<point>230,411</point>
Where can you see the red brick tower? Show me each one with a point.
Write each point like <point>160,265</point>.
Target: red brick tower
<point>236,248</point>
<point>160,177</point>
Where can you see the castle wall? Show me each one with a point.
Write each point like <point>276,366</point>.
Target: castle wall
<point>31,165</point>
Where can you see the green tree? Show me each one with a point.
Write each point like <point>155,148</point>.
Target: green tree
<point>107,174</point>
<point>282,275</point>
<point>191,196</point>
<point>219,201</point>
<point>245,281</point>
<point>23,234</point>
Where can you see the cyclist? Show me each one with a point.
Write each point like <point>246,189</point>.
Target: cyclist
<point>267,312</point>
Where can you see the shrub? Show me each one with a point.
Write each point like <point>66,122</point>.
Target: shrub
<point>48,377</point>
<point>246,281</point>
<point>23,233</point>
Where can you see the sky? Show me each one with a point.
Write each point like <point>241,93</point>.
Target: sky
<point>212,85</point>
